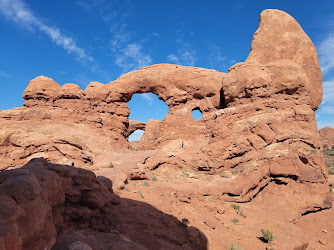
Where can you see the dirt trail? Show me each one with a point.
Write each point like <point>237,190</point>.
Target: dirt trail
<point>122,163</point>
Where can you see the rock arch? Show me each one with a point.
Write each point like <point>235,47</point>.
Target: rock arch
<point>258,120</point>
<point>196,113</point>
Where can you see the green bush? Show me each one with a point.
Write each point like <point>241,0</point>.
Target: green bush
<point>185,222</point>
<point>235,206</point>
<point>111,165</point>
<point>154,178</point>
<point>141,194</point>
<point>267,235</point>
<point>235,246</point>
<point>146,183</point>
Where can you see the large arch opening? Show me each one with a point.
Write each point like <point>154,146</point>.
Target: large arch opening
<point>144,107</point>
<point>136,135</point>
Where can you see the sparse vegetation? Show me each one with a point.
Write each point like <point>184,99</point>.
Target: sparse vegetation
<point>183,172</point>
<point>329,152</point>
<point>190,173</point>
<point>329,160</point>
<point>185,222</point>
<point>267,236</point>
<point>235,246</point>
<point>111,165</point>
<point>132,148</point>
<point>209,198</point>
<point>154,178</point>
<point>146,184</point>
<point>234,172</point>
<point>141,194</point>
<point>237,208</point>
<point>235,220</point>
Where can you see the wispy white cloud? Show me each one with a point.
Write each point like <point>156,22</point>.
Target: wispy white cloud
<point>120,36</point>
<point>184,56</point>
<point>129,52</point>
<point>326,111</point>
<point>105,9</point>
<point>16,11</point>
<point>216,58</point>
<point>173,58</point>
<point>322,124</point>
<point>328,90</point>
<point>326,54</point>
<point>147,97</point>
<point>132,57</point>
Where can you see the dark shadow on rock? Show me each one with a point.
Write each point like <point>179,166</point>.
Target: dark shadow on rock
<point>44,205</point>
<point>136,225</point>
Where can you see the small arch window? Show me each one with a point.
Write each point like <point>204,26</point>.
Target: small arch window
<point>197,114</point>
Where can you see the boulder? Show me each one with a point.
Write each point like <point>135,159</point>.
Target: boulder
<point>50,206</point>
<point>327,137</point>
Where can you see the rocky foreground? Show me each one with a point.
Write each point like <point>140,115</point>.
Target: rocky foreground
<point>253,161</point>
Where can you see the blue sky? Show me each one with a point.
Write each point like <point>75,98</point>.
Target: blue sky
<point>80,41</point>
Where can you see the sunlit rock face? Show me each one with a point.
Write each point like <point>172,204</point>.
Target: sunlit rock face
<point>327,137</point>
<point>258,121</point>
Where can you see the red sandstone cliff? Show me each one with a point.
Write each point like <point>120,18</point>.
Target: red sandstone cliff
<point>258,135</point>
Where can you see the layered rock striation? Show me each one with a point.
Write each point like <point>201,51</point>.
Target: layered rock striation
<point>258,130</point>
<point>41,200</point>
<point>62,123</point>
<point>49,206</point>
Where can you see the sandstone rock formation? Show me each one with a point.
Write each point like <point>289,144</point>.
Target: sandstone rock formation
<point>280,37</point>
<point>327,137</point>
<point>258,134</point>
<point>41,199</point>
<point>44,205</point>
<point>134,125</point>
<point>63,124</point>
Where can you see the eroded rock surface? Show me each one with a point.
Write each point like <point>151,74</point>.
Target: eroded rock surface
<point>46,206</point>
<point>327,137</point>
<point>41,199</point>
<point>258,134</point>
